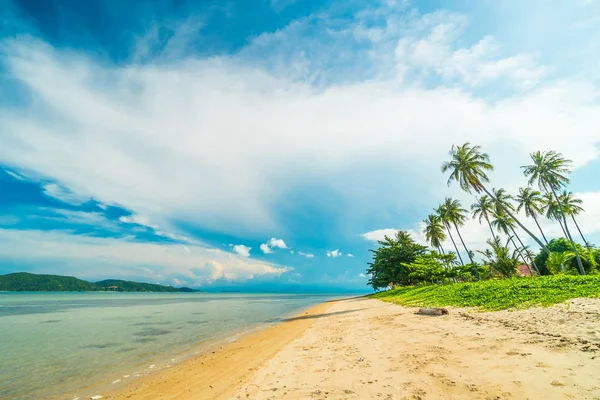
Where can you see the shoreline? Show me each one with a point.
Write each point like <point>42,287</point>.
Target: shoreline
<point>220,369</point>
<point>361,348</point>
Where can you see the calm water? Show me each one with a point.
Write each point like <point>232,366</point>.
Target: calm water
<point>67,345</point>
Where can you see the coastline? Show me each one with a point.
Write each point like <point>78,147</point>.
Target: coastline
<point>360,348</point>
<point>220,370</point>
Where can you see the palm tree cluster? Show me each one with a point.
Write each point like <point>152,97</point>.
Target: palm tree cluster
<point>498,209</point>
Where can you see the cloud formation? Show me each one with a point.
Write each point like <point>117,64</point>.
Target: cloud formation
<point>334,253</point>
<point>273,243</point>
<point>94,257</point>
<point>242,250</point>
<point>121,113</point>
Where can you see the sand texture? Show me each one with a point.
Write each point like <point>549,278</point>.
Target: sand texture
<point>367,349</point>
<point>516,355</point>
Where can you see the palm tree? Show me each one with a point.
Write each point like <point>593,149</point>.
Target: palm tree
<point>434,232</point>
<point>482,209</point>
<point>505,224</point>
<point>504,202</point>
<point>572,207</point>
<point>456,215</point>
<point>500,259</point>
<point>531,202</point>
<point>549,170</point>
<point>552,211</point>
<point>468,167</point>
<point>557,262</point>
<point>444,219</point>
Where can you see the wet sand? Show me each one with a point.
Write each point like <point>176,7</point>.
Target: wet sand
<point>363,348</point>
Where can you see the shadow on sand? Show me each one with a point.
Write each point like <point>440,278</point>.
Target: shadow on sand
<point>316,316</point>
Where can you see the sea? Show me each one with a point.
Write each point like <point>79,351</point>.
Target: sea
<point>79,345</point>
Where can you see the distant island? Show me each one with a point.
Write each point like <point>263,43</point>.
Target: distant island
<point>26,282</point>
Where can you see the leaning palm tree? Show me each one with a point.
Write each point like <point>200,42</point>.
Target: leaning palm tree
<point>443,215</point>
<point>572,207</point>
<point>551,210</point>
<point>457,216</point>
<point>531,202</point>
<point>500,259</point>
<point>482,209</point>
<point>505,224</point>
<point>469,167</point>
<point>434,232</point>
<point>502,200</point>
<point>550,170</point>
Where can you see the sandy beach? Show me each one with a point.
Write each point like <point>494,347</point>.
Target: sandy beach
<point>363,348</point>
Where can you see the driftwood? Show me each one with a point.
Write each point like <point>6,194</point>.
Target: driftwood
<point>432,311</point>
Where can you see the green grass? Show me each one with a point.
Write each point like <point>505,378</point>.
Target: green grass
<point>497,294</point>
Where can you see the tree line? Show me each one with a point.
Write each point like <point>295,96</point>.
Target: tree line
<point>402,261</point>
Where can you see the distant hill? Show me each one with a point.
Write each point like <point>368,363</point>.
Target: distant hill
<point>26,282</point>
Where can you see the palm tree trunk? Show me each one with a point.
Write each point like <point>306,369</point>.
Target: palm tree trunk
<point>454,243</point>
<point>490,225</point>
<point>469,254</point>
<point>506,210</point>
<point>562,213</point>
<point>579,230</point>
<point>540,228</point>
<point>562,227</point>
<point>528,256</point>
<point>518,251</point>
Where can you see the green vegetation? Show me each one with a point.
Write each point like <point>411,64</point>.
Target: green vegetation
<point>400,261</point>
<point>25,282</point>
<point>497,294</point>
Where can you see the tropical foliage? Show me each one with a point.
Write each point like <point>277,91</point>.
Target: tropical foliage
<point>400,261</point>
<point>497,294</point>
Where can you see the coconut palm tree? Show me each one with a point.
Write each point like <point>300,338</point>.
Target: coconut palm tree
<point>456,215</point>
<point>500,258</point>
<point>482,209</point>
<point>434,231</point>
<point>572,207</point>
<point>469,166</point>
<point>442,214</point>
<point>551,210</point>
<point>549,170</point>
<point>505,224</point>
<point>531,202</point>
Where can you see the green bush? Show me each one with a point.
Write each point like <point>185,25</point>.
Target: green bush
<point>561,245</point>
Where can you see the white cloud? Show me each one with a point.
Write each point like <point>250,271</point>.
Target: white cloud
<point>379,234</point>
<point>64,195</point>
<point>350,255</point>
<point>307,255</point>
<point>362,276</point>
<point>265,248</point>
<point>272,243</point>
<point>95,257</point>
<point>334,253</point>
<point>168,127</point>
<point>14,175</point>
<point>145,221</point>
<point>242,250</point>
<point>279,243</point>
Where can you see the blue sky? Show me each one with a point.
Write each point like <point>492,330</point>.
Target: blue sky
<point>269,143</point>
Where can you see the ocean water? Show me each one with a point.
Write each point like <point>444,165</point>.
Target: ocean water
<point>68,345</point>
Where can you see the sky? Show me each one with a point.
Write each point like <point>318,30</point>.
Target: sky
<point>268,144</point>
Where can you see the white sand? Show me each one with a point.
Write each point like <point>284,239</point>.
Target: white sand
<point>500,355</point>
